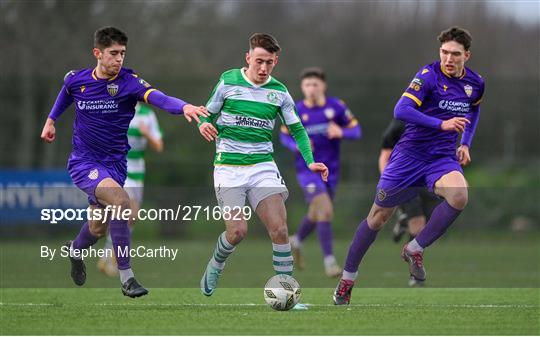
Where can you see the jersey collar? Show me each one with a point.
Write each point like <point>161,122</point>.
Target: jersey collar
<point>94,75</point>
<point>243,72</point>
<point>309,105</point>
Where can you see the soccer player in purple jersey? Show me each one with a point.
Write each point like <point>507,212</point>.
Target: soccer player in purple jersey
<point>105,99</point>
<point>327,121</point>
<point>441,102</point>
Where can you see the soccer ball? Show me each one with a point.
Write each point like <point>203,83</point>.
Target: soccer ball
<point>282,292</point>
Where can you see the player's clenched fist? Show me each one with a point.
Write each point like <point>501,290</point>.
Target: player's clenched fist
<point>320,168</point>
<point>49,131</point>
<point>193,112</point>
<point>208,131</point>
<point>456,124</point>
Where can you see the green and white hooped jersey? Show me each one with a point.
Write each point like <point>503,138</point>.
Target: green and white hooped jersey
<point>246,115</point>
<point>138,143</point>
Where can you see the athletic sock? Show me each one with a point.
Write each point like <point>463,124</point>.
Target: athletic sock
<point>442,217</point>
<point>221,252</point>
<point>413,246</point>
<point>125,275</point>
<point>329,260</point>
<point>84,240</point>
<point>305,229</point>
<point>363,238</point>
<point>121,240</point>
<point>324,232</point>
<point>282,258</point>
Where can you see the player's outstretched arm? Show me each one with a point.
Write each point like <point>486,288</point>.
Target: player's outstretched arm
<point>176,106</point>
<point>63,101</point>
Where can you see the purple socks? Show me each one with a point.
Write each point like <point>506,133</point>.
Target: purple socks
<point>324,231</point>
<point>363,238</point>
<point>306,227</point>
<point>120,237</point>
<point>84,239</point>
<point>441,218</point>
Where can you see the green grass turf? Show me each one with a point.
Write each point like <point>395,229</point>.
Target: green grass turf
<point>483,284</point>
<point>241,312</point>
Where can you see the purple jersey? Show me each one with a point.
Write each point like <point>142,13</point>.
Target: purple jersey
<point>104,109</point>
<point>316,120</point>
<point>442,96</point>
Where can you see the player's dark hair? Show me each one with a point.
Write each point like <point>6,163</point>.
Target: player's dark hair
<point>264,41</point>
<point>313,72</point>
<point>458,34</point>
<point>106,36</point>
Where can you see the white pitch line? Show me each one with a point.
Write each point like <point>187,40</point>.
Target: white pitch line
<point>369,305</point>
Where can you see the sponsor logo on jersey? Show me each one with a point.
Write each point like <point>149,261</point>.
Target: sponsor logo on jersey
<point>381,194</point>
<point>329,113</point>
<point>144,83</point>
<point>468,90</point>
<point>457,107</point>
<point>83,88</point>
<point>272,97</point>
<point>94,174</point>
<point>445,87</point>
<point>317,129</point>
<point>105,106</point>
<point>69,73</point>
<point>416,84</point>
<point>252,122</point>
<point>112,89</point>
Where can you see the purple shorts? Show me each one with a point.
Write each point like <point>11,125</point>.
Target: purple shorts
<point>404,176</point>
<point>88,173</point>
<point>313,185</point>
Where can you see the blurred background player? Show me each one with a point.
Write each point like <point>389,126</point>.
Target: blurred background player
<point>441,102</point>
<point>244,106</point>
<point>411,215</point>
<point>105,99</point>
<point>143,132</point>
<point>327,121</point>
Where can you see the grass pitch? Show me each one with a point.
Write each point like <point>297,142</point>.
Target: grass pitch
<point>476,286</point>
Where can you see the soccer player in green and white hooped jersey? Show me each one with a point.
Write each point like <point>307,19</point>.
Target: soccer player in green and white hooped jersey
<point>244,106</point>
<point>143,132</point>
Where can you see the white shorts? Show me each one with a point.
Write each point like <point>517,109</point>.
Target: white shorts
<point>134,189</point>
<point>256,182</point>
